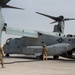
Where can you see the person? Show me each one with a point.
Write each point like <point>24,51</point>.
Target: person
<point>44,52</point>
<point>1,56</point>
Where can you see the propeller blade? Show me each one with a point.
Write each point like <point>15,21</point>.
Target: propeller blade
<point>4,1</point>
<point>66,19</point>
<point>53,22</point>
<point>52,17</point>
<point>8,6</point>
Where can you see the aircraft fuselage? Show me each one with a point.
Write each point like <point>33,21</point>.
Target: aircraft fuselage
<point>56,44</point>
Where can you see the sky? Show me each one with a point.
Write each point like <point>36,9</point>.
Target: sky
<point>28,19</point>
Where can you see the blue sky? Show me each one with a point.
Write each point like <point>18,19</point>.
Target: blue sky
<point>28,19</point>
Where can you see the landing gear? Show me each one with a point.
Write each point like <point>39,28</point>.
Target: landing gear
<point>7,55</point>
<point>39,57</point>
<point>55,57</point>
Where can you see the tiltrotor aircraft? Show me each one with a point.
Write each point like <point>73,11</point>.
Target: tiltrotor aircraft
<point>31,42</point>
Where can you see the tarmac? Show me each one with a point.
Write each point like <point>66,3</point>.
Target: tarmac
<point>29,65</point>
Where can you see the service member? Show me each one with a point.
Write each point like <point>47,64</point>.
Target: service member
<point>1,56</point>
<point>44,52</point>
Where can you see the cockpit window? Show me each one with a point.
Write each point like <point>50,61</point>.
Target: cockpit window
<point>40,33</point>
<point>8,41</point>
<point>69,35</point>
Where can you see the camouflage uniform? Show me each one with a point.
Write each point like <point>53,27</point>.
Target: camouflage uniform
<point>44,51</point>
<point>1,56</point>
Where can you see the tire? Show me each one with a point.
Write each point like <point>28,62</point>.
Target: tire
<point>55,57</point>
<point>39,57</point>
<point>7,55</point>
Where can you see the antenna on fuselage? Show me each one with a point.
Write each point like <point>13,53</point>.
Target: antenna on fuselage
<point>60,27</point>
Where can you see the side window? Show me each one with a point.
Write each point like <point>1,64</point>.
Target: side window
<point>43,42</point>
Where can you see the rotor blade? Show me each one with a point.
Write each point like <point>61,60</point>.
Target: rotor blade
<point>52,17</point>
<point>66,19</point>
<point>4,1</point>
<point>8,6</point>
<point>53,22</point>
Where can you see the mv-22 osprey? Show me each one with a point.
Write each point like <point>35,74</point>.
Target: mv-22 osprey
<point>31,41</point>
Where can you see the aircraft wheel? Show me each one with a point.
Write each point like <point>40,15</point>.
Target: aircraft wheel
<point>39,57</point>
<point>55,57</point>
<point>7,55</point>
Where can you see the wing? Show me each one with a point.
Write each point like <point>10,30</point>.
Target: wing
<point>21,32</point>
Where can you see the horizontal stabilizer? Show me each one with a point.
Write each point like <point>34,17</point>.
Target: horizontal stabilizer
<point>20,32</point>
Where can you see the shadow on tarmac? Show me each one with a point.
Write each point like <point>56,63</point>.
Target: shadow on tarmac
<point>64,60</point>
<point>18,62</point>
<point>33,59</point>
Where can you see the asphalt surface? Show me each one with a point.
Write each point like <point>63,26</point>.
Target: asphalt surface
<point>27,65</point>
